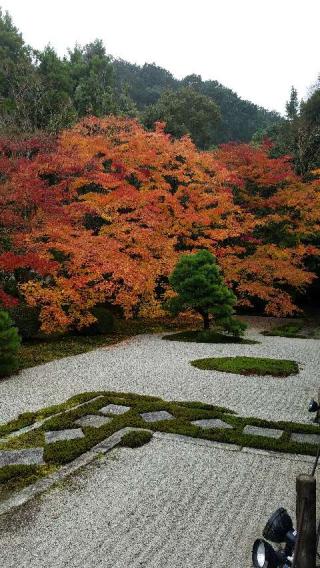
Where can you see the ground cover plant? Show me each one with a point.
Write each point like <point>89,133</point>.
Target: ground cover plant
<point>248,366</point>
<point>63,416</point>
<point>292,329</point>
<point>136,438</point>
<point>207,336</point>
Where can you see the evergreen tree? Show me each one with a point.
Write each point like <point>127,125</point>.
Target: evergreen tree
<point>292,106</point>
<point>9,345</point>
<point>199,286</point>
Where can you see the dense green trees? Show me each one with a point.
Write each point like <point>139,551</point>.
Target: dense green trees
<point>299,133</point>
<point>185,112</point>
<point>199,286</point>
<point>41,91</point>
<point>239,119</point>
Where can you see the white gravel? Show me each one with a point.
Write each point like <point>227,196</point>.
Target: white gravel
<point>148,365</point>
<point>167,504</point>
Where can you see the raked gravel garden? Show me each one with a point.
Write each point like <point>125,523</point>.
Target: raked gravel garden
<point>148,365</point>
<point>164,503</point>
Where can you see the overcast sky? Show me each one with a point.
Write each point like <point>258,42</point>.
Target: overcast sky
<point>259,48</point>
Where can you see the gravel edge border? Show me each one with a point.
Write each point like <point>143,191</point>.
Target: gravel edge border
<point>40,486</point>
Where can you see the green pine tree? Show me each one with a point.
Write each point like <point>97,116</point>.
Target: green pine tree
<point>9,345</point>
<point>199,285</point>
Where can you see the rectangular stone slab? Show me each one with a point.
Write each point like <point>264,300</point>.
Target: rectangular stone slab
<point>93,420</point>
<point>210,423</point>
<point>156,416</point>
<point>63,435</point>
<point>266,432</point>
<point>29,456</point>
<point>306,438</point>
<point>114,409</point>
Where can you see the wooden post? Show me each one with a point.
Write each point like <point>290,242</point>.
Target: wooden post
<point>318,411</point>
<point>305,554</point>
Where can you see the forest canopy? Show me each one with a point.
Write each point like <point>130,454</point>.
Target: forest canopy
<point>109,172</point>
<point>40,90</point>
<point>103,212</point>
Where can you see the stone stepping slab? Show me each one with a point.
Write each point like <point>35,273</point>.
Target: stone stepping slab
<point>38,424</point>
<point>266,432</point>
<point>117,409</point>
<point>156,416</point>
<point>210,423</point>
<point>29,456</point>
<point>93,420</point>
<point>306,438</point>
<point>63,435</point>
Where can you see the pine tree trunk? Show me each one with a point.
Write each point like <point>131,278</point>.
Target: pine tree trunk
<point>206,321</point>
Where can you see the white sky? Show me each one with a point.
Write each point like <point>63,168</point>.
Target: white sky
<point>259,48</point>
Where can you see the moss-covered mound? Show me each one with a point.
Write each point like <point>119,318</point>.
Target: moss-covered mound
<point>249,366</point>
<point>136,438</point>
<point>293,329</point>
<point>211,336</point>
<point>183,420</point>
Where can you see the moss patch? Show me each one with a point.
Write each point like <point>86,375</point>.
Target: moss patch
<point>211,336</point>
<point>184,412</point>
<point>16,477</point>
<point>287,330</point>
<point>248,366</point>
<point>136,438</point>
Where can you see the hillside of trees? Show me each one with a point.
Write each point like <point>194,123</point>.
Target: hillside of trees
<point>41,91</point>
<point>110,171</point>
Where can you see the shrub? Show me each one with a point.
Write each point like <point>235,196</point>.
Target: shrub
<point>136,438</point>
<point>9,345</point>
<point>26,319</point>
<point>104,323</point>
<point>199,286</point>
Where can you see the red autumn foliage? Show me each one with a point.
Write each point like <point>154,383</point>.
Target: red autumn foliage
<point>103,213</point>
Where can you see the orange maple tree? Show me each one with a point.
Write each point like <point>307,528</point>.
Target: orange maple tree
<point>102,214</point>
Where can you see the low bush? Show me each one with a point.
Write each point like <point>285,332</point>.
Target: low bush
<point>9,345</point>
<point>26,320</point>
<point>104,323</point>
<point>136,438</point>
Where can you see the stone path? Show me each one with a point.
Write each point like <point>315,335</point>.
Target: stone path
<point>266,432</point>
<point>30,456</point>
<point>156,416</point>
<point>172,503</point>
<point>93,421</point>
<point>117,409</point>
<point>149,365</point>
<point>210,423</point>
<point>61,435</point>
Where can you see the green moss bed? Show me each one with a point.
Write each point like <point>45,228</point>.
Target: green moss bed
<point>211,336</point>
<point>248,366</point>
<point>56,454</point>
<point>292,329</point>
